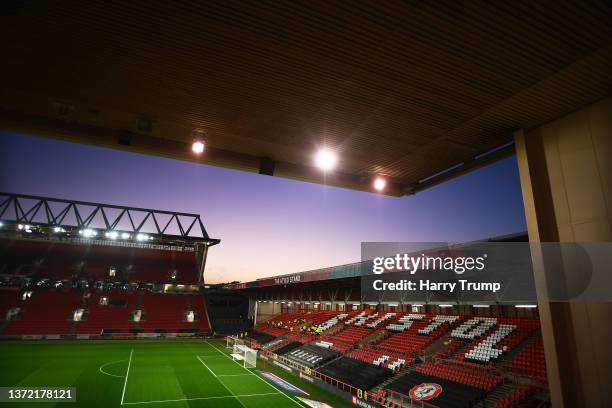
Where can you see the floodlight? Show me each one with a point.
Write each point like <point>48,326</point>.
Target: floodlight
<point>57,230</point>
<point>112,234</point>
<point>326,159</point>
<point>198,147</point>
<point>526,306</point>
<point>20,226</point>
<point>142,237</point>
<point>380,183</point>
<point>125,235</point>
<point>88,233</point>
<point>1,224</point>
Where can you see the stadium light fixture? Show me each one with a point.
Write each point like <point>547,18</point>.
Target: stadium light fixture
<point>526,306</point>
<point>380,183</point>
<point>112,235</point>
<point>142,237</point>
<point>481,306</point>
<point>198,146</point>
<point>20,226</point>
<point>58,230</point>
<point>326,160</point>
<point>125,235</point>
<point>1,224</point>
<point>445,305</point>
<point>88,233</point>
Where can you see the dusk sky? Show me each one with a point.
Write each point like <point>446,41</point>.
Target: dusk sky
<point>268,225</point>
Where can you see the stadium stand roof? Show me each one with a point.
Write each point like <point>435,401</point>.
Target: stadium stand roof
<point>351,270</point>
<point>44,217</point>
<point>415,91</point>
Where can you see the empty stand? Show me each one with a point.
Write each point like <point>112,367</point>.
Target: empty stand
<point>452,394</point>
<point>311,356</point>
<point>416,331</point>
<point>163,312</point>
<point>355,372</point>
<point>383,358</point>
<point>63,260</point>
<point>116,315</point>
<point>345,339</point>
<point>199,307</point>
<point>46,312</point>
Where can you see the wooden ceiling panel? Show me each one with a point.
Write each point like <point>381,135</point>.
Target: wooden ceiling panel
<point>405,89</point>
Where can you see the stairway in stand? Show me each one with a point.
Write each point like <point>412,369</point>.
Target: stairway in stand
<point>495,395</point>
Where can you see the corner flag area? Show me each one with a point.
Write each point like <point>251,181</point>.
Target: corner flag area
<point>153,374</point>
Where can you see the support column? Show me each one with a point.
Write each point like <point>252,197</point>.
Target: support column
<point>566,179</point>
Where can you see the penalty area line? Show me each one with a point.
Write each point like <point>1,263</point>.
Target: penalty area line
<point>221,382</point>
<point>252,373</point>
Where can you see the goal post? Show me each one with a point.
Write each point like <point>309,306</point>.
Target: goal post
<point>245,354</point>
<point>250,358</point>
<point>232,341</point>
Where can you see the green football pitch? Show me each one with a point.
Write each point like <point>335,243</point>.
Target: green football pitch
<point>165,374</point>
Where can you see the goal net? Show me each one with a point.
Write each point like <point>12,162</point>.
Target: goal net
<point>247,355</point>
<point>232,341</point>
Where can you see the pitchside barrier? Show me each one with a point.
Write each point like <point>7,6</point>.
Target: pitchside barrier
<point>358,396</point>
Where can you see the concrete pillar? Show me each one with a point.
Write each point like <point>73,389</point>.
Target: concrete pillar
<point>566,178</point>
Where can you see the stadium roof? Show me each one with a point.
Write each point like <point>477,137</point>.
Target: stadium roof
<point>352,270</point>
<point>415,91</point>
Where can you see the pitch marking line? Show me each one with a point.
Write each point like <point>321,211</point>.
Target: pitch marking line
<point>232,375</point>
<point>252,373</point>
<point>202,398</point>
<point>127,373</point>
<point>112,375</point>
<point>221,382</point>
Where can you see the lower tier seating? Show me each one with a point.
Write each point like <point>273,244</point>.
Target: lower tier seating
<point>451,394</point>
<point>46,312</point>
<point>356,373</point>
<point>474,378</point>
<point>288,348</point>
<point>346,339</point>
<point>311,356</point>
<point>261,338</point>
<point>383,358</point>
<point>163,312</point>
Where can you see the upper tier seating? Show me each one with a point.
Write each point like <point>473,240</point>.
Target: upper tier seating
<point>417,331</point>
<point>492,337</point>
<point>356,373</point>
<point>530,361</point>
<point>311,356</point>
<point>63,260</point>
